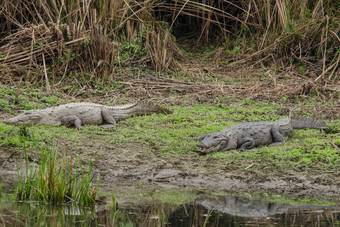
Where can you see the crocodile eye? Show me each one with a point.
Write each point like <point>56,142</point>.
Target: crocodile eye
<point>216,137</point>
<point>29,112</point>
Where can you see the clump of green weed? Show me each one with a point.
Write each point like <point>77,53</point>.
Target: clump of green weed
<point>4,104</point>
<point>53,181</point>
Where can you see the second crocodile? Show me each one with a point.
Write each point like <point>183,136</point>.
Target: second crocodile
<point>83,113</point>
<point>251,134</point>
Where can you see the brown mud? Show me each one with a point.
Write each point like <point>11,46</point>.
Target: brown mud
<point>128,166</point>
<point>134,164</point>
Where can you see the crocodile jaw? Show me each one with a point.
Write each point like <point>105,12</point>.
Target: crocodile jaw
<point>213,142</point>
<point>27,118</point>
<point>219,147</point>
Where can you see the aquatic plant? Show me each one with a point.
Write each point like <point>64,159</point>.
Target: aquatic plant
<point>54,182</point>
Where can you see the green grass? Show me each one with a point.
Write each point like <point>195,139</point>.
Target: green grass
<point>55,182</point>
<point>172,135</point>
<point>26,98</point>
<point>34,137</point>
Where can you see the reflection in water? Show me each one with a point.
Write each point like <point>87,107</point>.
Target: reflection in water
<point>209,210</point>
<point>231,211</point>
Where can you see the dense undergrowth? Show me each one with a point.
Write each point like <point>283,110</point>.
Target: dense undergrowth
<point>49,40</point>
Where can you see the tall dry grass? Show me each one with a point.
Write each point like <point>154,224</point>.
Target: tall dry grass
<point>49,39</point>
<point>65,37</point>
<point>299,31</point>
<point>268,31</point>
<point>43,40</point>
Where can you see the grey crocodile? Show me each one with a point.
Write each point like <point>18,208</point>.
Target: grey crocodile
<point>251,134</point>
<point>83,113</point>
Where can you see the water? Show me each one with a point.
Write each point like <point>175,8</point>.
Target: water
<point>206,210</point>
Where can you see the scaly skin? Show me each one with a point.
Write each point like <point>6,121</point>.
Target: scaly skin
<point>252,134</point>
<point>79,114</point>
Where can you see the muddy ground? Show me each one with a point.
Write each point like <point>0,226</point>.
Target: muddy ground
<point>133,164</point>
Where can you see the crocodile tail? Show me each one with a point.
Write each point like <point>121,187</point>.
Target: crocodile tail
<point>150,108</point>
<point>306,122</point>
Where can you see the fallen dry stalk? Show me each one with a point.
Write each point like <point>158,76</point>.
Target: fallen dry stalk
<point>159,84</point>
<point>153,85</point>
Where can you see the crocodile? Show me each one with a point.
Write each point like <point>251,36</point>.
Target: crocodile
<point>83,113</point>
<point>252,134</point>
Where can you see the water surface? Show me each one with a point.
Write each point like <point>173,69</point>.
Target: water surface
<point>206,210</point>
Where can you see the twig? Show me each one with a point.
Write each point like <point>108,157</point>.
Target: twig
<point>249,166</point>
<point>325,49</point>
<point>46,77</point>
<point>334,65</point>
<point>335,146</point>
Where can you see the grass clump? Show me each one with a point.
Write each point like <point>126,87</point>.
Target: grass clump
<point>54,182</point>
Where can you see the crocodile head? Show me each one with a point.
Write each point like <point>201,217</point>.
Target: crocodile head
<point>286,127</point>
<point>27,118</point>
<point>212,142</point>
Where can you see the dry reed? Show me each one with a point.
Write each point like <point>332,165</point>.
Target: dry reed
<point>42,40</point>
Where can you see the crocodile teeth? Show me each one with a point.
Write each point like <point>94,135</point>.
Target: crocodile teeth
<point>217,147</point>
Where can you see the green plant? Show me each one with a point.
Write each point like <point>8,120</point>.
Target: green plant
<point>302,69</point>
<point>25,185</point>
<point>52,100</point>
<point>4,103</point>
<point>207,216</point>
<point>54,181</point>
<point>236,50</point>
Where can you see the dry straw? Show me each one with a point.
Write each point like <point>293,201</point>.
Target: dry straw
<point>49,39</point>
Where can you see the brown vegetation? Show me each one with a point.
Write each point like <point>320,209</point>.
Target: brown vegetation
<point>43,40</point>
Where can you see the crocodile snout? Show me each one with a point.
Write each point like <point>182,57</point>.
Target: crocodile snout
<point>212,142</point>
<point>201,144</point>
<point>7,121</point>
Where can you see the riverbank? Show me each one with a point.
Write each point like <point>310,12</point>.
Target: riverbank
<point>160,150</point>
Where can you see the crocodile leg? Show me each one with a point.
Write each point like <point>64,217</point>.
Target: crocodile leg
<point>71,120</point>
<point>108,120</point>
<point>245,143</point>
<point>277,136</point>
